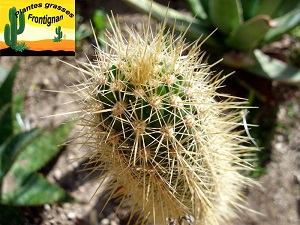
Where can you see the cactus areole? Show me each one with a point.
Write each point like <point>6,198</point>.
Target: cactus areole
<point>152,120</point>
<point>11,31</point>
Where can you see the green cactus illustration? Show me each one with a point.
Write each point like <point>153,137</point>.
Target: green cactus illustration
<point>11,31</point>
<point>59,34</point>
<point>20,47</point>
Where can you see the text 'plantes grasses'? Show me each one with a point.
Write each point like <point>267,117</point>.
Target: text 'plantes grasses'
<point>154,120</point>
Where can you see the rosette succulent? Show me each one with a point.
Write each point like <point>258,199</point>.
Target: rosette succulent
<point>155,122</point>
<point>243,28</point>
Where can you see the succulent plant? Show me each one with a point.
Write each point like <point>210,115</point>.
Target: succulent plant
<point>154,120</point>
<point>243,27</point>
<point>23,153</point>
<point>82,31</point>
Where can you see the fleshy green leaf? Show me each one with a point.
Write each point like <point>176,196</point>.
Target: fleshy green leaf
<point>204,4</point>
<point>3,112</point>
<point>197,9</point>
<point>7,86</point>
<point>3,74</point>
<point>33,189</point>
<point>99,18</point>
<point>197,27</point>
<point>249,35</point>
<point>284,24</point>
<point>250,8</point>
<point>6,123</point>
<point>10,149</point>
<point>226,15</point>
<point>268,7</point>
<point>42,149</point>
<point>6,93</point>
<point>285,7</point>
<point>273,69</point>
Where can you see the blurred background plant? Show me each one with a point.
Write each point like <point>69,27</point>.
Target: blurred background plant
<point>100,24</point>
<point>84,29</point>
<point>243,28</point>
<point>24,151</point>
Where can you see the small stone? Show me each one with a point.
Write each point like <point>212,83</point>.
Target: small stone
<point>113,222</point>
<point>104,221</point>
<point>280,147</point>
<point>57,174</point>
<point>116,220</point>
<point>297,177</point>
<point>280,138</point>
<point>75,164</point>
<point>71,216</point>
<point>81,189</point>
<point>47,207</point>
<point>45,83</point>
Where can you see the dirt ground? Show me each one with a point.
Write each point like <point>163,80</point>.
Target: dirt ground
<point>278,200</point>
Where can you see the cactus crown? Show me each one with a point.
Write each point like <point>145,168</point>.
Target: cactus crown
<point>152,117</point>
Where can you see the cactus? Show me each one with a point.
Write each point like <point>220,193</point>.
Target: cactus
<point>59,34</point>
<point>152,120</point>
<point>11,31</point>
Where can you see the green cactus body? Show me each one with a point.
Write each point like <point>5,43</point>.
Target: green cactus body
<point>11,31</point>
<point>59,34</point>
<point>154,124</point>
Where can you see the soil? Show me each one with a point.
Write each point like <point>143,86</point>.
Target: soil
<point>277,200</point>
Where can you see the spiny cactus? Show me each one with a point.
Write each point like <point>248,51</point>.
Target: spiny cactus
<point>11,31</point>
<point>155,122</point>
